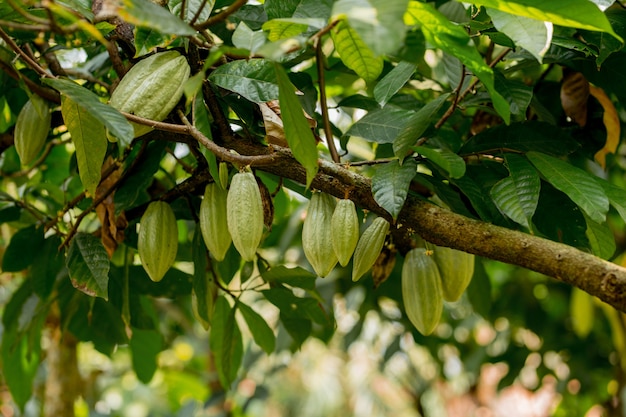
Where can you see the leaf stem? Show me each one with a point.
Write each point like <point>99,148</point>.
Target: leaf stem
<point>328,132</point>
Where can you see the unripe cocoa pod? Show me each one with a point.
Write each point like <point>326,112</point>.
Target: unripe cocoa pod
<point>31,129</point>
<point>369,247</point>
<point>421,290</point>
<point>344,230</point>
<point>158,239</point>
<point>316,234</point>
<point>456,268</point>
<point>245,214</point>
<point>212,215</point>
<point>152,88</point>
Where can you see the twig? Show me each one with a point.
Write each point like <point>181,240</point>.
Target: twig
<point>328,132</point>
<point>220,17</point>
<point>455,100</point>
<point>32,63</point>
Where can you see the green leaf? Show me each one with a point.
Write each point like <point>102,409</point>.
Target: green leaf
<point>452,163</point>
<point>378,22</point>
<point>390,184</point>
<point>616,196</point>
<point>88,265</point>
<point>517,195</point>
<point>393,81</point>
<point>295,307</point>
<point>246,38</point>
<point>90,142</point>
<point>453,39</point>
<point>381,125</point>
<point>416,125</point>
<point>144,13</point>
<point>204,288</point>
<point>297,130</point>
<point>46,266</point>
<point>191,9</point>
<point>23,249</point>
<point>21,355</point>
<point>522,137</point>
<point>533,35</point>
<point>254,79</point>
<point>355,53</point>
<point>479,290</point>
<point>226,342</point>
<point>145,346</point>
<point>600,238</point>
<point>580,186</point>
<point>581,14</point>
<point>517,94</point>
<point>289,27</point>
<point>107,115</point>
<point>582,311</point>
<point>294,277</point>
<point>261,332</point>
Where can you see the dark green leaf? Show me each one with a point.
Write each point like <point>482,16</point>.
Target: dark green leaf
<point>296,307</point>
<point>260,330</point>
<point>295,277</point>
<point>390,184</point>
<point>381,125</point>
<point>10,214</point>
<point>616,196</point>
<point>453,164</point>
<point>204,288</point>
<point>145,13</point>
<point>393,82</point>
<point>226,342</point>
<point>23,249</point>
<point>298,329</point>
<point>145,346</point>
<point>21,355</point>
<point>88,265</point>
<point>47,265</point>
<point>517,94</point>
<point>254,79</point>
<point>601,239</point>
<point>479,290</point>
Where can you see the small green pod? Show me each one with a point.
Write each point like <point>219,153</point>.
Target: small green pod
<point>316,234</point>
<point>421,290</point>
<point>158,239</point>
<point>214,229</point>
<point>369,247</point>
<point>245,214</point>
<point>456,268</point>
<point>31,129</point>
<point>344,230</point>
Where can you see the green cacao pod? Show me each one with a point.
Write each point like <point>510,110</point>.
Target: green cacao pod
<point>456,268</point>
<point>245,214</point>
<point>31,129</point>
<point>316,234</point>
<point>344,230</point>
<point>421,290</point>
<point>212,215</point>
<point>158,239</point>
<point>369,247</point>
<point>152,88</point>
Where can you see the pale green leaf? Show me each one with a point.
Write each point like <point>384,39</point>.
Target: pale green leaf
<point>144,13</point>
<point>90,142</point>
<point>453,39</point>
<point>579,186</point>
<point>246,38</point>
<point>254,79</point>
<point>355,53</point>
<point>260,330</point>
<point>531,34</point>
<point>452,163</point>
<point>390,184</point>
<point>297,130</point>
<point>393,82</point>
<point>288,27</point>
<point>88,265</point>
<point>382,125</point>
<point>601,238</point>
<point>517,195</point>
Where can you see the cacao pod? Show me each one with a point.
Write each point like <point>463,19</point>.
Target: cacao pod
<point>316,234</point>
<point>456,268</point>
<point>421,290</point>
<point>245,214</point>
<point>158,239</point>
<point>31,129</point>
<point>152,88</point>
<point>212,225</point>
<point>369,246</point>
<point>344,230</point>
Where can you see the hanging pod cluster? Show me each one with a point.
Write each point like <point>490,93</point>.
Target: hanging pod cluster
<point>331,234</point>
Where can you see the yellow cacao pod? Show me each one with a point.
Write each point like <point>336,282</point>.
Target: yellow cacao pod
<point>152,88</point>
<point>316,234</point>
<point>421,290</point>
<point>31,129</point>
<point>212,225</point>
<point>456,268</point>
<point>158,239</point>
<point>369,246</point>
<point>245,214</point>
<point>344,230</point>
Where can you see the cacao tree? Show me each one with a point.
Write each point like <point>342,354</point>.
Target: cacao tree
<point>479,140</point>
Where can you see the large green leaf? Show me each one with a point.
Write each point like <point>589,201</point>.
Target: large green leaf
<point>46,266</point>
<point>297,130</point>
<point>254,79</point>
<point>576,183</point>
<point>382,125</point>
<point>107,115</point>
<point>294,277</point>
<point>226,342</point>
<point>378,22</point>
<point>453,39</point>
<point>246,38</point>
<point>517,94</point>
<point>204,287</point>
<point>288,27</point>
<point>355,53</point>
<point>616,195</point>
<point>23,249</point>
<point>144,13</point>
<point>517,195</point>
<point>21,355</point>
<point>533,35</point>
<point>145,346</point>
<point>88,265</point>
<point>90,142</point>
<point>581,14</point>
<point>393,82</point>
<point>452,163</point>
<point>390,184</point>
<point>260,330</point>
<point>601,239</point>
<point>416,125</point>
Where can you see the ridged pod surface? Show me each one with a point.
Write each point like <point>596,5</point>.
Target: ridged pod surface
<point>316,234</point>
<point>212,225</point>
<point>31,129</point>
<point>158,239</point>
<point>152,87</point>
<point>344,230</point>
<point>245,214</point>
<point>456,268</point>
<point>421,290</point>
<point>370,244</point>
